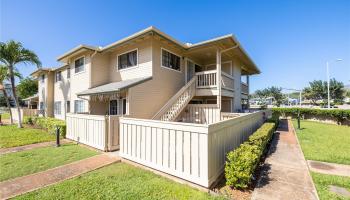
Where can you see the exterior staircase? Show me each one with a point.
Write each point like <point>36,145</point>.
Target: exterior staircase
<point>171,110</point>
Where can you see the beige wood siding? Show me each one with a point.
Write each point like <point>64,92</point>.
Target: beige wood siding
<point>62,92</point>
<point>100,69</point>
<point>144,60</point>
<point>147,99</point>
<point>80,81</point>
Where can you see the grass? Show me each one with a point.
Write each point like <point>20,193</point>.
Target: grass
<point>5,116</point>
<point>323,181</point>
<point>324,142</point>
<point>118,181</point>
<point>11,136</point>
<point>27,162</point>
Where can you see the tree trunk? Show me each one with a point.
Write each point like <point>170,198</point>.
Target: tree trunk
<point>8,104</point>
<point>12,78</point>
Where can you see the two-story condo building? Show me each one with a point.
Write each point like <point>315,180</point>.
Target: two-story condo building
<point>139,76</point>
<point>167,105</point>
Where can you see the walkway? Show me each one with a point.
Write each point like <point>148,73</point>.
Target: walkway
<point>20,185</point>
<point>329,168</point>
<point>30,146</point>
<point>285,174</point>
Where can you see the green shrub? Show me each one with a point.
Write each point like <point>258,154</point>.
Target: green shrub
<point>242,162</point>
<point>338,114</point>
<point>27,120</point>
<point>50,124</point>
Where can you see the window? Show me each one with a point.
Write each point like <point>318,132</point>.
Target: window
<point>58,76</point>
<point>170,60</point>
<point>68,73</point>
<point>79,65</point>
<point>57,108</point>
<point>41,106</point>
<point>78,106</point>
<point>43,78</point>
<point>127,60</point>
<point>117,107</point>
<point>68,106</point>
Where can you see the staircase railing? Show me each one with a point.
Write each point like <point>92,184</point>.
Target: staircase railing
<point>178,102</point>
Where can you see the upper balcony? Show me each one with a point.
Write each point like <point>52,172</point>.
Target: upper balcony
<point>207,84</point>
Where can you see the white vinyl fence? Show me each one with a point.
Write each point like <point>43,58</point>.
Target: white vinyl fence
<point>194,152</point>
<point>23,112</point>
<point>98,131</point>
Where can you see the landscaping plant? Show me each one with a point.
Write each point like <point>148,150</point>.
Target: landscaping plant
<point>48,123</point>
<point>242,162</point>
<point>339,115</point>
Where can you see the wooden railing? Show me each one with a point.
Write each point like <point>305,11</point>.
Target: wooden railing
<point>244,88</point>
<point>178,102</point>
<point>206,79</point>
<point>200,114</point>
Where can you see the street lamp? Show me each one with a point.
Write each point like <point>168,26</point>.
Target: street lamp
<point>327,64</point>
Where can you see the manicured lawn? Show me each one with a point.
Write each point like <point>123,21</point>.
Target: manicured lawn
<point>11,136</point>
<point>118,181</point>
<point>5,116</point>
<point>27,162</point>
<point>324,142</point>
<point>322,183</point>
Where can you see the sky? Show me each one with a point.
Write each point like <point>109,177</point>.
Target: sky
<point>290,40</point>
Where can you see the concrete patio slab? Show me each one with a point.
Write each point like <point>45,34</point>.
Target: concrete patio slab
<point>285,174</point>
<point>21,185</point>
<point>329,168</point>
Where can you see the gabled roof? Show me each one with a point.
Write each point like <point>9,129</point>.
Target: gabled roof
<point>46,69</point>
<point>186,46</point>
<point>114,87</point>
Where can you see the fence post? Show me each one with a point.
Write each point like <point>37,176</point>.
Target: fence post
<point>107,117</point>
<point>57,136</point>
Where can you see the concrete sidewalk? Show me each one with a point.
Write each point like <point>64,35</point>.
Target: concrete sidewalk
<point>285,173</point>
<point>329,168</point>
<point>30,146</point>
<point>21,185</point>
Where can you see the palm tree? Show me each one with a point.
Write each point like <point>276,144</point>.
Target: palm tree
<point>11,54</point>
<point>5,76</point>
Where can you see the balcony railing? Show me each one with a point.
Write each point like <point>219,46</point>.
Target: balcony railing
<point>207,79</point>
<point>244,88</point>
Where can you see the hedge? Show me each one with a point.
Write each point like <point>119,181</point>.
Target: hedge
<point>242,162</point>
<point>339,114</point>
<point>47,123</point>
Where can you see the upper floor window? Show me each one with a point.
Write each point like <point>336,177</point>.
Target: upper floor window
<point>42,78</point>
<point>68,73</point>
<point>58,76</point>
<point>127,60</point>
<point>57,108</point>
<point>79,65</point>
<point>170,60</point>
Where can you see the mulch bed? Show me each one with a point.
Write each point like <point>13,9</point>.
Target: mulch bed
<point>243,194</point>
